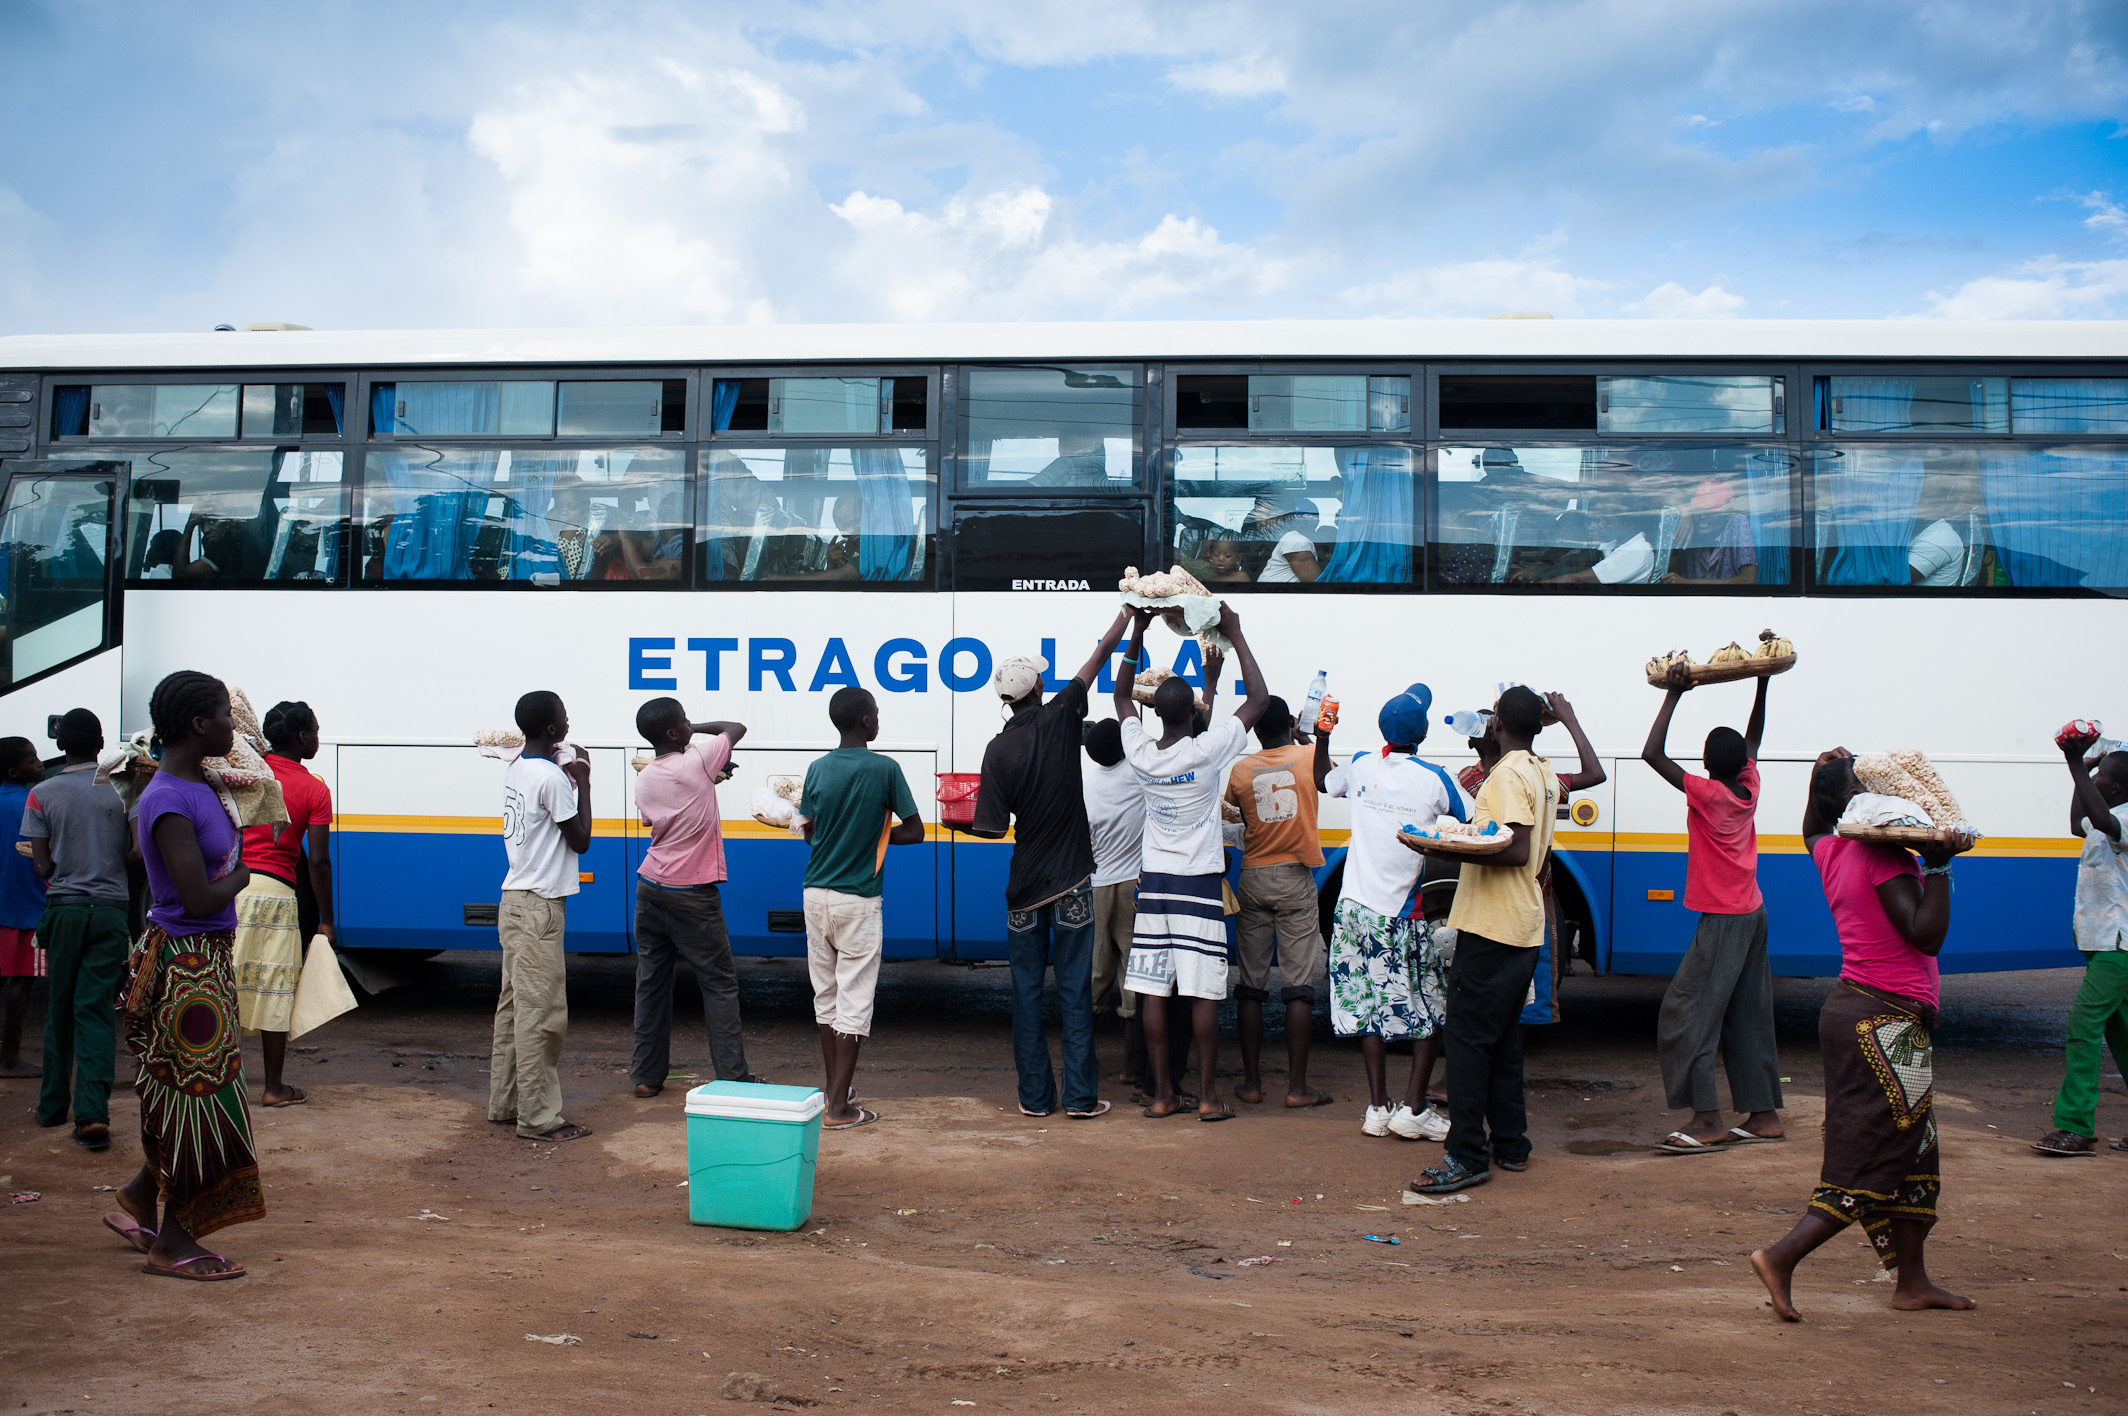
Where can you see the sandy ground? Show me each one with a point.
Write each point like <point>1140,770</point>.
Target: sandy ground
<point>961,1255</point>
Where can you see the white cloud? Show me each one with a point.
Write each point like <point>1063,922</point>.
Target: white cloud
<point>2048,288</point>
<point>2107,217</point>
<point>1493,285</point>
<point>1671,301</point>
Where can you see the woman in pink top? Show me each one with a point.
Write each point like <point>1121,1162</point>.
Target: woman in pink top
<point>1881,1162</point>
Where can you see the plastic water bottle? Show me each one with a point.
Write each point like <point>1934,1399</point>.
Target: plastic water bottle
<point>1312,706</point>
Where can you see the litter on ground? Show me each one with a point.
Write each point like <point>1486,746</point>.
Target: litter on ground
<point>560,1339</point>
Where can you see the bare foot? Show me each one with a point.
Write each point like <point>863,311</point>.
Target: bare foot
<point>1928,1295</point>
<point>1168,1106</point>
<point>1312,1096</point>
<point>1777,1280</point>
<point>1250,1092</point>
<point>138,1201</point>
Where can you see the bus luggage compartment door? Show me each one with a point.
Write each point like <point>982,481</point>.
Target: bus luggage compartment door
<point>420,853</point>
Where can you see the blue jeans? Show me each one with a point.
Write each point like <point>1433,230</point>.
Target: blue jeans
<point>1059,934</point>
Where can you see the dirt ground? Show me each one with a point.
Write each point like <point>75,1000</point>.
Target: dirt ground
<point>961,1255</point>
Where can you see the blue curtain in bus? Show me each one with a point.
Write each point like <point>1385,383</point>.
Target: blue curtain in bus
<point>70,411</point>
<point>438,504</point>
<point>529,548</point>
<point>381,398</point>
<point>2069,405</point>
<point>1865,512</point>
<point>1769,487</point>
<point>1873,405</point>
<point>439,409</point>
<point>723,399</point>
<point>886,514</point>
<point>2059,516</point>
<point>1374,518</point>
<point>336,395</point>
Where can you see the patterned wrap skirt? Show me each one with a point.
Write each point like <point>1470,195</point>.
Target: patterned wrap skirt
<point>1881,1158</point>
<point>267,956</point>
<point>179,1018</point>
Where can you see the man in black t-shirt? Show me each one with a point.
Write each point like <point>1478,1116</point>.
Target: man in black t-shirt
<point>1031,785</point>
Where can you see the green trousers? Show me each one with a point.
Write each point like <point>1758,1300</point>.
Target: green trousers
<point>85,949</point>
<point>2100,1011</point>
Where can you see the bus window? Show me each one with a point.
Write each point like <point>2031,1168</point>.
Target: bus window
<point>535,516</point>
<point>293,410</point>
<point>1265,515</point>
<point>54,532</point>
<point>144,410</point>
<point>1047,547</point>
<point>1701,518</point>
<point>820,406</point>
<point>1049,429</point>
<point>234,516</point>
<point>1564,402</point>
<point>817,514</point>
<point>1293,403</point>
<point>2069,406</point>
<point>1938,404</point>
<point>621,408</point>
<point>1973,517</point>
<point>519,408</point>
<point>1690,404</point>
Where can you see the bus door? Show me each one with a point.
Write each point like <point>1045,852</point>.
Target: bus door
<point>61,607</point>
<point>419,856</point>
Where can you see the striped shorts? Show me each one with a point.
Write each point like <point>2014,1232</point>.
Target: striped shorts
<point>1179,943</point>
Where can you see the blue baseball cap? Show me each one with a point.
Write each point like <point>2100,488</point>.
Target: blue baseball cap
<point>1403,718</point>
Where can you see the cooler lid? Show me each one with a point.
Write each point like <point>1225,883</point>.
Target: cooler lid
<point>754,1101</point>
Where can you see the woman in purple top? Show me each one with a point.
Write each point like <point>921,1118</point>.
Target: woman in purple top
<point>179,1007</point>
<point>1881,1163</point>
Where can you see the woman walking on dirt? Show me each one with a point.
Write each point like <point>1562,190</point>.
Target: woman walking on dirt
<point>1881,1160</point>
<point>178,1009</point>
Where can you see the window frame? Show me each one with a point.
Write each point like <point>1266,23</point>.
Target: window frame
<point>1422,471</point>
<point>933,579</point>
<point>1410,369</point>
<point>50,384</point>
<point>712,374</point>
<point>350,458</point>
<point>1611,368</point>
<point>538,373</point>
<point>1149,544</point>
<point>1963,369</point>
<point>1144,424</point>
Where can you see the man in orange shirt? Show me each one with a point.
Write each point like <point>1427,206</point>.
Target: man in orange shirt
<point>1280,852</point>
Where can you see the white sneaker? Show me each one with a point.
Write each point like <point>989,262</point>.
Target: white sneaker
<point>1377,1122</point>
<point>1427,1125</point>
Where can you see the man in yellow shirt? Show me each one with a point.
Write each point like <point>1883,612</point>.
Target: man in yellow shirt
<point>1498,917</point>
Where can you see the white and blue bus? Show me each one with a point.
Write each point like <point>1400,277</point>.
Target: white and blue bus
<point>411,529</point>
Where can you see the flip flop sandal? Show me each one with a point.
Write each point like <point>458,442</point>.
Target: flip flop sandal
<point>1224,1113</point>
<point>1678,1143</point>
<point>1037,1114</point>
<point>567,1131</point>
<point>864,1118</point>
<point>93,1143</point>
<point>1320,1098</point>
<point>1181,1108</point>
<point>175,1270</point>
<point>299,1099</point>
<point>2119,1145</point>
<point>1741,1137</point>
<point>126,1228</point>
<point>643,1091</point>
<point>1101,1108</point>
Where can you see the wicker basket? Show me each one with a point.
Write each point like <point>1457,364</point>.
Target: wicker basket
<point>1143,693</point>
<point>1730,673</point>
<point>1476,848</point>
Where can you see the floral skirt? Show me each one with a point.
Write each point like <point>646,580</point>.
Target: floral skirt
<point>179,1017</point>
<point>1386,978</point>
<point>1881,1157</point>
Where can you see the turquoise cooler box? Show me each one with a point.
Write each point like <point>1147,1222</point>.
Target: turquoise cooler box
<point>750,1154</point>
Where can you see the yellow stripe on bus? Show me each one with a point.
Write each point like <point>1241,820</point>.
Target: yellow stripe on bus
<point>459,825</point>
<point>2010,847</point>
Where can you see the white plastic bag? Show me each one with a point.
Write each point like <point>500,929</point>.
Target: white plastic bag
<point>322,993</point>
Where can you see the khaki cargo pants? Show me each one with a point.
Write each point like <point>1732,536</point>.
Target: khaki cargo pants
<point>531,1015</point>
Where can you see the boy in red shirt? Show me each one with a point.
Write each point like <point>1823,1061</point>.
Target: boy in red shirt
<point>1721,997</point>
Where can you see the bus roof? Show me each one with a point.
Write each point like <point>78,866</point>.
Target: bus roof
<point>1511,338</point>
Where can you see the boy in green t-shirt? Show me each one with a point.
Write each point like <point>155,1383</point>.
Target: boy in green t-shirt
<point>851,798</point>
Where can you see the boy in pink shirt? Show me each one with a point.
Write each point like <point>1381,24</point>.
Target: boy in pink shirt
<point>677,910</point>
<point>1721,998</point>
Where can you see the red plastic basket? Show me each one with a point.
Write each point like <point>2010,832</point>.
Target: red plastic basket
<point>956,797</point>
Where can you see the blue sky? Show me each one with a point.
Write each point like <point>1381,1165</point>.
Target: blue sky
<point>436,164</point>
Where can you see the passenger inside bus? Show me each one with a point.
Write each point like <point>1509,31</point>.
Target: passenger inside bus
<point>1081,460</point>
<point>1277,520</point>
<point>1714,542</point>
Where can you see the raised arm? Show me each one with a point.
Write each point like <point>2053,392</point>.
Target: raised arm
<point>1259,697</point>
<point>2085,803</point>
<point>1214,664</point>
<point>734,731</point>
<point>576,831</point>
<point>1921,909</point>
<point>1755,730</point>
<point>1656,752</point>
<point>1591,773</point>
<point>1091,669</point>
<point>1126,677</point>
